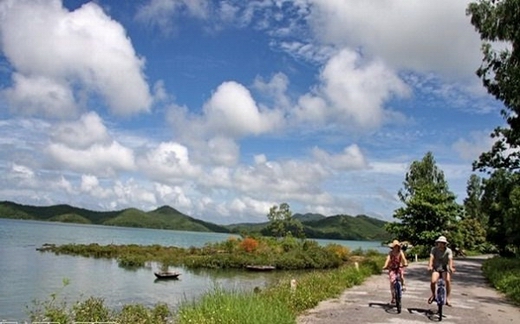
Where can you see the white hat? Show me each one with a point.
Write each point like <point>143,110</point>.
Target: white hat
<point>394,243</point>
<point>441,239</point>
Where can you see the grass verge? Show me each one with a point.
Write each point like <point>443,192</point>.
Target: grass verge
<point>504,275</point>
<point>278,303</point>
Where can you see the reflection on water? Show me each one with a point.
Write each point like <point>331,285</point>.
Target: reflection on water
<point>29,275</point>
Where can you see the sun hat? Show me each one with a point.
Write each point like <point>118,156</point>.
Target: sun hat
<point>441,239</point>
<point>394,243</point>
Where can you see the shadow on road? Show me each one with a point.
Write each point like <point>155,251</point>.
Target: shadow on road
<point>389,308</point>
<point>431,315</point>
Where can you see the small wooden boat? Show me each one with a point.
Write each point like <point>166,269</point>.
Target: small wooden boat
<point>167,275</point>
<point>260,267</point>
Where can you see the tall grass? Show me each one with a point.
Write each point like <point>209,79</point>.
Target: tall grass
<point>227,307</point>
<point>278,303</point>
<point>504,275</point>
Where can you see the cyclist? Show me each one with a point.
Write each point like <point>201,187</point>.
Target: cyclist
<point>395,259</point>
<point>441,259</point>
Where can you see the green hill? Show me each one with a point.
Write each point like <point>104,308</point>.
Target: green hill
<point>162,218</point>
<point>345,227</point>
<point>70,218</point>
<point>308,217</point>
<point>13,210</point>
<point>341,227</point>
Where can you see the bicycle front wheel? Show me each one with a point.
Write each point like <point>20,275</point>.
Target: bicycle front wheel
<point>398,295</point>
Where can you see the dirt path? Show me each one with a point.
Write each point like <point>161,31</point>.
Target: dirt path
<point>474,302</point>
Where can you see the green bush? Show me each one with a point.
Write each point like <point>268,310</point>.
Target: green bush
<point>91,310</point>
<point>504,275</point>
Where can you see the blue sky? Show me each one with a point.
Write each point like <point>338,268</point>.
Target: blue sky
<point>222,109</point>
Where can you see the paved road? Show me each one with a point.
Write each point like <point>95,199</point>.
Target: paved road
<point>474,302</point>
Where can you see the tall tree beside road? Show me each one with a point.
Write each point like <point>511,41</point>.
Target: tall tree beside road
<point>430,208</point>
<point>498,21</point>
<point>471,229</point>
<point>501,203</point>
<point>472,203</point>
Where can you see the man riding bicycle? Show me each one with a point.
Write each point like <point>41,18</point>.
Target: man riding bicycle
<point>441,261</point>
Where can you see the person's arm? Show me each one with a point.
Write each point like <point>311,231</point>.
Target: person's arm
<point>403,257</point>
<point>430,263</point>
<point>387,261</point>
<point>450,261</point>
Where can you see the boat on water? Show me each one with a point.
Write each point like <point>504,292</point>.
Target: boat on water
<point>260,267</point>
<point>167,275</point>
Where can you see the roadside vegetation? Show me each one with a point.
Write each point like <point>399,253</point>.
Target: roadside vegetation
<point>504,275</point>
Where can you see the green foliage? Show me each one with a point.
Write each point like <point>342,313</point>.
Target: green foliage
<point>504,275</point>
<point>287,253</point>
<point>8,210</point>
<point>472,203</point>
<point>344,227</point>
<point>219,306</point>
<point>470,232</point>
<point>278,303</point>
<point>430,207</point>
<point>281,222</point>
<point>70,218</point>
<point>499,21</point>
<point>501,203</point>
<point>91,310</point>
<point>468,235</point>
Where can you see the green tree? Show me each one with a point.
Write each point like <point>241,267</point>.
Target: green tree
<point>499,21</point>
<point>470,231</point>
<point>472,203</point>
<point>429,207</point>
<point>281,222</point>
<point>501,203</point>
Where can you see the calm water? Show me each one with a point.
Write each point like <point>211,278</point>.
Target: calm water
<point>27,275</point>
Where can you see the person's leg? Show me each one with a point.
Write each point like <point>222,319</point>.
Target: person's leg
<point>447,278</point>
<point>391,278</point>
<point>435,277</point>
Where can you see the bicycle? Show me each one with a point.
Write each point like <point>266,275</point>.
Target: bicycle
<point>440,295</point>
<point>398,288</point>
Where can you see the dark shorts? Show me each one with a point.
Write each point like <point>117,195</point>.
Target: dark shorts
<point>441,269</point>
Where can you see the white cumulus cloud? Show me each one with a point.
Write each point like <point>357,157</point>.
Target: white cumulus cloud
<point>65,56</point>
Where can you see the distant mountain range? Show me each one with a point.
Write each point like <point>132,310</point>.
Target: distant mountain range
<point>340,227</point>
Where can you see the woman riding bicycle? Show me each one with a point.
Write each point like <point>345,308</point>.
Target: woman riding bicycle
<point>395,260</point>
<point>441,261</point>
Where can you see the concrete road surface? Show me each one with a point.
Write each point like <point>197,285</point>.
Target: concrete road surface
<point>473,300</point>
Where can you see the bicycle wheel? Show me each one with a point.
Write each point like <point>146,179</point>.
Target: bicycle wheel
<point>441,299</point>
<point>398,294</point>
